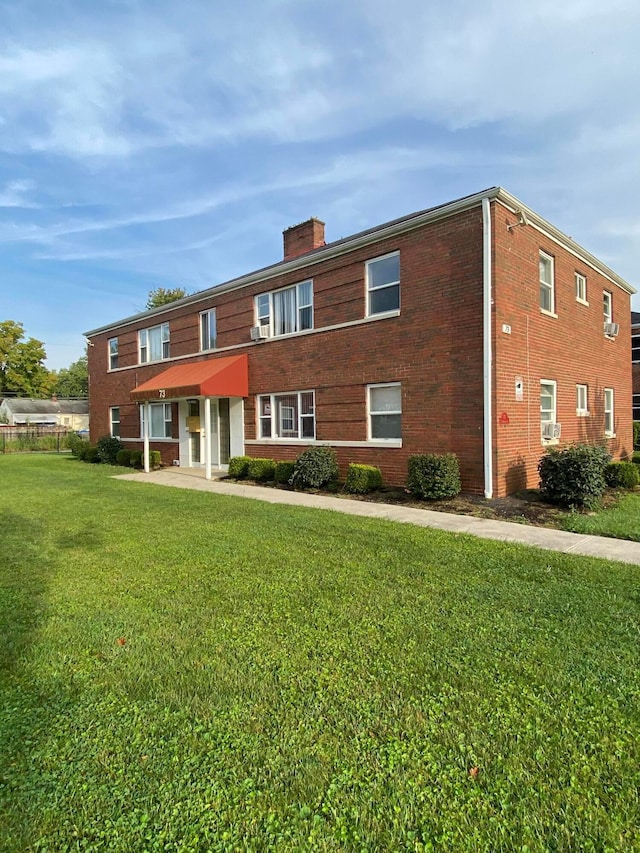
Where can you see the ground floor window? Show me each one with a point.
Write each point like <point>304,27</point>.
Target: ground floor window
<point>548,391</point>
<point>636,407</point>
<point>114,419</point>
<point>385,411</point>
<point>608,412</point>
<point>287,415</point>
<point>159,420</point>
<point>582,400</point>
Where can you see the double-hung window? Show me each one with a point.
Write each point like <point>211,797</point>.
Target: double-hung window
<point>287,415</point>
<point>385,411</point>
<point>286,311</point>
<point>208,330</point>
<point>607,308</point>
<point>581,288</point>
<point>159,420</point>
<point>636,407</point>
<point>635,347</point>
<point>548,390</point>
<point>113,353</point>
<point>383,284</point>
<point>154,343</point>
<point>582,400</point>
<point>114,419</point>
<point>547,283</point>
<point>609,424</point>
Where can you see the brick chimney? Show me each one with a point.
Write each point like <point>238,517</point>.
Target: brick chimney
<point>303,238</point>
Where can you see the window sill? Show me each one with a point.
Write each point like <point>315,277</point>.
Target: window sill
<point>582,301</point>
<point>550,442</point>
<point>582,413</point>
<point>157,361</point>
<point>382,315</point>
<point>610,435</point>
<point>548,313</point>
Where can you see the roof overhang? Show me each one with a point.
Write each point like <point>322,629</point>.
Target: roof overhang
<point>215,377</point>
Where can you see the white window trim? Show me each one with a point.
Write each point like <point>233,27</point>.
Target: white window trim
<point>110,355</point>
<point>167,406</point>
<point>582,412</point>
<point>612,432</point>
<point>112,420</point>
<point>370,438</point>
<point>608,317</point>
<point>635,337</point>
<point>146,332</point>
<point>208,314</point>
<point>273,438</point>
<point>548,441</point>
<point>551,287</point>
<point>260,320</point>
<point>368,290</point>
<point>581,299</point>
<point>635,403</point>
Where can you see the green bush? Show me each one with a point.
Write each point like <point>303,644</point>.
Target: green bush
<point>108,447</point>
<point>314,468</point>
<point>261,469</point>
<point>636,433</point>
<point>75,442</point>
<point>622,475</point>
<point>573,476</point>
<point>434,475</point>
<point>81,450</point>
<point>239,466</point>
<point>362,479</point>
<point>135,459</point>
<point>283,472</point>
<point>155,459</point>
<point>123,457</point>
<point>91,454</point>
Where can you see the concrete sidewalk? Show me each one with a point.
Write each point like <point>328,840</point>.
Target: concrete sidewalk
<point>505,531</point>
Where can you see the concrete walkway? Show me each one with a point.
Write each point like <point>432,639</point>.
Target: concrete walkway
<point>505,531</point>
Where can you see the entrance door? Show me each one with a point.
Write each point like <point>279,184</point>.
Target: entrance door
<point>193,428</point>
<point>215,438</point>
<point>225,431</point>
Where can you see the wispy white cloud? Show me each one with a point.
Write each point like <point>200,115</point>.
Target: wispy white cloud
<point>15,195</point>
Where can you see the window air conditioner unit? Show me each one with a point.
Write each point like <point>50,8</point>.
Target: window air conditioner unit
<point>259,333</point>
<point>611,329</point>
<point>551,430</point>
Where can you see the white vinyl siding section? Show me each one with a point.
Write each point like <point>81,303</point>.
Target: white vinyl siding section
<point>383,284</point>
<point>385,411</point>
<point>286,311</point>
<point>547,283</point>
<point>287,416</point>
<point>609,422</point>
<point>153,343</point>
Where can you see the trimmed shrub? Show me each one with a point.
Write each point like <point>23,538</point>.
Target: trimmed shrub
<point>261,469</point>
<point>434,475</point>
<point>91,454</point>
<point>622,475</point>
<point>239,466</point>
<point>283,472</point>
<point>155,459</point>
<point>123,457</point>
<point>135,459</point>
<point>573,476</point>
<point>636,433</point>
<point>108,447</point>
<point>362,479</point>
<point>314,468</point>
<point>75,442</point>
<point>81,449</point>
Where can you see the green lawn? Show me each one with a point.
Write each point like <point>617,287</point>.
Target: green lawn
<point>187,672</point>
<point>621,521</point>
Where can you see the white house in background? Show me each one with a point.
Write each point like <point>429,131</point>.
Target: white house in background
<point>23,411</point>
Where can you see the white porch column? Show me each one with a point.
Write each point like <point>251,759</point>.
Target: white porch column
<point>207,438</point>
<point>147,415</point>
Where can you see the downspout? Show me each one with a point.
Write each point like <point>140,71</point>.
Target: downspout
<point>487,355</point>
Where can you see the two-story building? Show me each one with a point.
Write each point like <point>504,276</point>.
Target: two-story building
<point>474,327</point>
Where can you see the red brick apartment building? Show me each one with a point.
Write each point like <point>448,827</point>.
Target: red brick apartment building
<point>474,327</point>
<point>635,357</point>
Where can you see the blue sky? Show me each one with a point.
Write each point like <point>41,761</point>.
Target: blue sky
<point>150,143</point>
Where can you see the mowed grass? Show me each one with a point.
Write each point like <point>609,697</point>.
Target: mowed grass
<point>187,672</point>
<point>621,521</point>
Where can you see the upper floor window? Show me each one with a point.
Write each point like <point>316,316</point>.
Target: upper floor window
<point>607,304</point>
<point>547,283</point>
<point>154,343</point>
<point>608,413</point>
<point>287,415</point>
<point>208,330</point>
<point>114,420</point>
<point>159,421</point>
<point>385,411</point>
<point>383,284</point>
<point>635,347</point>
<point>113,353</point>
<point>286,311</point>
<point>581,288</point>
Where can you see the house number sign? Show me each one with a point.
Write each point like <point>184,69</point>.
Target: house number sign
<point>162,393</point>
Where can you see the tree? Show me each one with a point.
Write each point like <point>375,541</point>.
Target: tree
<point>73,381</point>
<point>22,369</point>
<point>162,296</point>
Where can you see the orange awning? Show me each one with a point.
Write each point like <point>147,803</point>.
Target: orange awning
<point>216,377</point>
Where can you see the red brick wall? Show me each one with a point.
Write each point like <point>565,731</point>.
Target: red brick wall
<point>569,349</point>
